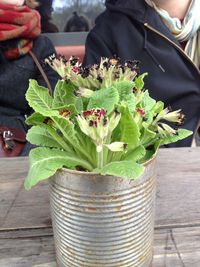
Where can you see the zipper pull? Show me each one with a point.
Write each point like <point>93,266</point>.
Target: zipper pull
<point>163,70</point>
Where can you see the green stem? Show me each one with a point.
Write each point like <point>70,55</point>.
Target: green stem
<point>84,153</point>
<point>84,144</point>
<point>81,162</point>
<point>77,149</point>
<point>87,165</point>
<point>116,156</point>
<point>109,157</point>
<point>106,150</point>
<point>100,159</point>
<point>58,138</point>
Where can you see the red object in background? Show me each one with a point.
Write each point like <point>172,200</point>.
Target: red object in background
<point>68,51</point>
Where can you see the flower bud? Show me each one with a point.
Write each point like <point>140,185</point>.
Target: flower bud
<point>116,146</point>
<point>168,129</point>
<point>84,92</point>
<point>83,124</point>
<point>114,120</point>
<point>58,64</point>
<point>174,116</point>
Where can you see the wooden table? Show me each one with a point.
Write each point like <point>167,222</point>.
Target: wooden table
<point>25,226</point>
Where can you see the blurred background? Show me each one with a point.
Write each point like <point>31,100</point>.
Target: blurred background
<point>69,15</point>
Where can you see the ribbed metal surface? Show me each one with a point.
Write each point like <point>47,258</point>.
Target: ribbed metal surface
<point>103,221</point>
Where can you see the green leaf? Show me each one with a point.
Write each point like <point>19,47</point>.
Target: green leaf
<point>139,81</point>
<point>39,99</point>
<point>148,102</point>
<point>130,133</point>
<point>88,145</point>
<point>135,154</point>
<point>35,119</point>
<point>147,136</point>
<point>181,134</point>
<point>44,162</point>
<point>79,104</point>
<point>64,94</point>
<point>149,119</point>
<point>104,98</point>
<point>124,169</point>
<point>40,136</point>
<point>159,106</point>
<point>66,127</point>
<point>152,112</point>
<point>126,95</point>
<point>150,153</point>
<point>38,119</point>
<point>70,135</point>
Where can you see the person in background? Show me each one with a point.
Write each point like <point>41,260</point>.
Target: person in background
<point>45,9</point>
<point>20,33</point>
<point>77,23</point>
<point>164,35</point>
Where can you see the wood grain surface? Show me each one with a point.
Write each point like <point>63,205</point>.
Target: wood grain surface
<point>26,238</point>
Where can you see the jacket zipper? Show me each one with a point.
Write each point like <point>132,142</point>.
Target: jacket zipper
<point>172,43</point>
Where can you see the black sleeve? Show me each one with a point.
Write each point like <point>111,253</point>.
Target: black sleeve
<point>95,48</point>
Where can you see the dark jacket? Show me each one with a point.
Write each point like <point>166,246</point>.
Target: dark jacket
<point>131,29</point>
<point>14,81</point>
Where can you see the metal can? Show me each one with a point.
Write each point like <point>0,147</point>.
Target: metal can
<point>103,221</point>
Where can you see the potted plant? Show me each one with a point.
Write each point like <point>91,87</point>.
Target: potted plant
<point>97,136</point>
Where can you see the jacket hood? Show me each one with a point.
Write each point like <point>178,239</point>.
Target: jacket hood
<point>133,8</point>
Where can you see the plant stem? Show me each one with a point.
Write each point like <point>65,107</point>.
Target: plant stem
<point>106,150</point>
<point>87,166</point>
<point>84,153</point>
<point>60,140</point>
<point>76,148</point>
<point>100,159</point>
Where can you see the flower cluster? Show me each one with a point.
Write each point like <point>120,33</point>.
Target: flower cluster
<point>96,76</point>
<point>171,116</point>
<point>95,124</point>
<point>98,117</point>
<point>65,68</point>
<point>110,72</point>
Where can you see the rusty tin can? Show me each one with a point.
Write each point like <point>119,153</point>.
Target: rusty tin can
<point>103,221</point>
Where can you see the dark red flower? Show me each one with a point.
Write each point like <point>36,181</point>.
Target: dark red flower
<point>140,111</point>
